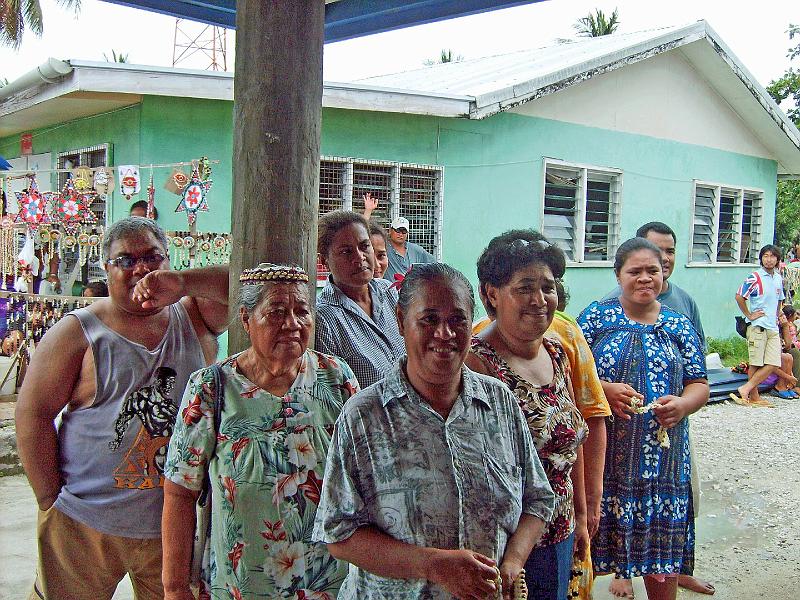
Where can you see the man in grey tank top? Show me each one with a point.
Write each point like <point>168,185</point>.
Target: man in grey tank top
<point>117,369</point>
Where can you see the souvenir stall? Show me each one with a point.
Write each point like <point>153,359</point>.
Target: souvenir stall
<point>50,239</point>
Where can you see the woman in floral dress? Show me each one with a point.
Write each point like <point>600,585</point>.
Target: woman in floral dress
<point>281,401</point>
<point>517,274</point>
<point>652,356</point>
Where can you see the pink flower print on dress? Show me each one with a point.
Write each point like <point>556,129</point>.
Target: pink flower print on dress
<point>229,485</point>
<point>287,485</point>
<point>235,554</point>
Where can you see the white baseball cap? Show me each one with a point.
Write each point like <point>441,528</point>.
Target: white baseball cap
<point>400,223</point>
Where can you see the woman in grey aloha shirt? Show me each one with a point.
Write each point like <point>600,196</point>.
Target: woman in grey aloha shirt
<point>432,478</point>
<point>281,401</point>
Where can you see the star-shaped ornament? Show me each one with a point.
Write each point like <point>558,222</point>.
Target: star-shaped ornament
<point>33,206</point>
<point>72,208</point>
<point>193,199</point>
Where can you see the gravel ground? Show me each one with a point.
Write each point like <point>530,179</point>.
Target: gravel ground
<point>748,522</point>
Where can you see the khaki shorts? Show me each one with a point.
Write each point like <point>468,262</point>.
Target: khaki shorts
<point>77,562</point>
<point>763,347</point>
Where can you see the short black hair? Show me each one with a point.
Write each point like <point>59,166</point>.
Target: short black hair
<point>99,288</point>
<point>331,223</point>
<point>788,310</point>
<point>657,227</point>
<point>419,275</point>
<point>375,229</point>
<point>513,250</point>
<point>630,246</point>
<point>143,204</point>
<point>773,249</point>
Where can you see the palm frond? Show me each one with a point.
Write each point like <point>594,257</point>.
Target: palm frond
<point>32,16</point>
<point>11,24</point>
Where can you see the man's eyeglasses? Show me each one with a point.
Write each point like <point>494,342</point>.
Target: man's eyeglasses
<point>128,263</point>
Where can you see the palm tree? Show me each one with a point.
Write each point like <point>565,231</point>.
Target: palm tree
<point>16,15</point>
<point>117,58</point>
<point>595,25</point>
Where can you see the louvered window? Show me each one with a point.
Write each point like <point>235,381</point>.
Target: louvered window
<point>726,225</point>
<point>402,190</point>
<point>581,210</point>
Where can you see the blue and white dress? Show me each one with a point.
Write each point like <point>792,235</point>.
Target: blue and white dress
<point>647,517</point>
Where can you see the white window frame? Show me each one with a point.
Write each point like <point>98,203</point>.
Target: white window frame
<point>395,193</point>
<point>756,240</point>
<point>584,172</point>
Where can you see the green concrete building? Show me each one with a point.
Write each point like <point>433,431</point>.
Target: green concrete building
<point>584,140</point>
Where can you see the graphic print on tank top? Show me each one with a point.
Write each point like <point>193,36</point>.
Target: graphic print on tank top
<point>156,410</point>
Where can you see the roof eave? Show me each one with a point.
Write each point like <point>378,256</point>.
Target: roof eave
<point>117,78</point>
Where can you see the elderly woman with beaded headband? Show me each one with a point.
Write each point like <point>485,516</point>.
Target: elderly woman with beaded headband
<point>264,458</point>
<point>355,311</point>
<point>517,274</point>
<point>432,481</point>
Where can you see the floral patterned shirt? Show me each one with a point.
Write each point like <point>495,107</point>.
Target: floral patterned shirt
<point>266,478</point>
<point>459,482</point>
<point>556,425</point>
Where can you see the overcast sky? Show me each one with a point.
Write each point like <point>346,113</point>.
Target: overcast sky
<point>756,32</point>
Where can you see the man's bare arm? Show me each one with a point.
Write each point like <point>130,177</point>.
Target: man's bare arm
<point>48,387</point>
<point>206,290</point>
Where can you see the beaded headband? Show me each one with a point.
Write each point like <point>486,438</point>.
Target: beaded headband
<point>268,272</point>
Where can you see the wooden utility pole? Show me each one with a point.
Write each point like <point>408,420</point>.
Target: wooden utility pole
<point>277,114</point>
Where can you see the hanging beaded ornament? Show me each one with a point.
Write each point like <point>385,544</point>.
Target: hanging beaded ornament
<point>8,261</point>
<point>32,206</point>
<point>93,243</point>
<point>151,198</point>
<point>194,199</point>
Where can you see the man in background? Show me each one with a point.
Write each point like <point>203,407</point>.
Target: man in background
<point>402,253</point>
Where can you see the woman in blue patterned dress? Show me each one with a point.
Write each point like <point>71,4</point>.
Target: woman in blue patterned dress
<point>653,353</point>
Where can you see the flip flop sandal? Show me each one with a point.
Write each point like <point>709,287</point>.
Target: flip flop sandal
<point>739,400</point>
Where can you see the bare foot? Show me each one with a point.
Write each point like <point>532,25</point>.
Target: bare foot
<point>696,585</point>
<point>742,395</point>
<point>621,588</point>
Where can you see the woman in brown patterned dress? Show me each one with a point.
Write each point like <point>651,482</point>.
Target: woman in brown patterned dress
<point>517,274</point>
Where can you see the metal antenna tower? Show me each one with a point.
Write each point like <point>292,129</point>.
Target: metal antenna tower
<point>205,46</point>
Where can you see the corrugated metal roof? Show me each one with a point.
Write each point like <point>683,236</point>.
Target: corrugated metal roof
<point>481,76</point>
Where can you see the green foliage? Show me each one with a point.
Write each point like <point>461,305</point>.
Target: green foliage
<point>787,206</point>
<point>597,24</point>
<point>788,86</point>
<point>116,58</point>
<point>732,350</point>
<point>16,15</point>
<point>445,56</point>
<point>787,213</point>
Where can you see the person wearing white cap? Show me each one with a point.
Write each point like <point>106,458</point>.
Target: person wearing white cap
<point>402,253</point>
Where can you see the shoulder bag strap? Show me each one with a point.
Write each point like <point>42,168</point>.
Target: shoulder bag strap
<point>219,395</point>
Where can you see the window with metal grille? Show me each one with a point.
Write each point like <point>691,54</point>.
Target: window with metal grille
<point>726,226</point>
<point>94,156</point>
<point>581,210</point>
<point>402,190</point>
